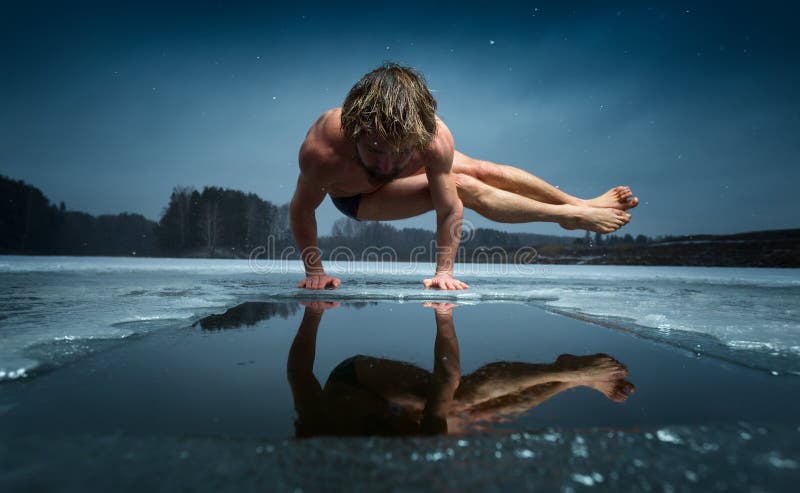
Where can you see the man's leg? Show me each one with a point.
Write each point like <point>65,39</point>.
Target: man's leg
<point>399,199</point>
<point>409,197</point>
<point>518,181</point>
<point>507,207</point>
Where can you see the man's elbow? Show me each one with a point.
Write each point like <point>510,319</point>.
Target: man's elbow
<point>459,208</point>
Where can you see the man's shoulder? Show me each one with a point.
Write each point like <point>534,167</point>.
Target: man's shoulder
<point>335,113</point>
<point>328,124</point>
<point>440,151</point>
<point>316,161</point>
<point>318,155</point>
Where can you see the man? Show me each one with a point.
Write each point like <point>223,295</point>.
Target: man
<point>385,155</point>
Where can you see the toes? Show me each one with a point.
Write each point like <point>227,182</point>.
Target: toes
<point>622,217</point>
<point>618,396</point>
<point>622,191</point>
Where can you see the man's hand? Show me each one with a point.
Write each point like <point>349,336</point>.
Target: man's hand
<point>319,281</point>
<point>439,306</point>
<point>444,281</point>
<point>319,306</point>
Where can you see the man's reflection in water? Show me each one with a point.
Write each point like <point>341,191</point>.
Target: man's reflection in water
<point>375,396</point>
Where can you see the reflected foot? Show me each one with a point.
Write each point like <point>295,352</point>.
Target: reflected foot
<point>617,390</point>
<point>598,220</point>
<point>618,198</point>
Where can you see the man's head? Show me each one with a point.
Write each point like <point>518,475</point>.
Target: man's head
<point>389,114</point>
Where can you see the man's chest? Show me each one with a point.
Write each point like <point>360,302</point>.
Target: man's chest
<point>352,179</point>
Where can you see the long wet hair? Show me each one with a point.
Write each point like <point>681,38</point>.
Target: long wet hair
<point>395,103</point>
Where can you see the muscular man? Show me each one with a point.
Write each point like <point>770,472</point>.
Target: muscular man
<point>385,155</point>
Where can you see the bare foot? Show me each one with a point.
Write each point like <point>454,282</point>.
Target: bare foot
<point>617,390</point>
<point>599,220</point>
<point>617,198</point>
<point>592,368</point>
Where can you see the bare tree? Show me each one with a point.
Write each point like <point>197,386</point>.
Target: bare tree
<point>183,202</point>
<point>210,222</point>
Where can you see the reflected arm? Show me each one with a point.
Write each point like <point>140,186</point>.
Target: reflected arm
<point>306,389</point>
<point>446,375</point>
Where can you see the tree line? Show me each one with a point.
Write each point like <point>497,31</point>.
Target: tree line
<point>30,224</point>
<point>219,222</point>
<point>214,222</point>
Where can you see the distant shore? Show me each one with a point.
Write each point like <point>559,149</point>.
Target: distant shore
<point>758,249</point>
<point>780,248</point>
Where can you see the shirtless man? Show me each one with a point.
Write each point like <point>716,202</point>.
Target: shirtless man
<point>385,155</point>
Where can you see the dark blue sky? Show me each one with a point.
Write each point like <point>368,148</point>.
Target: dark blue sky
<point>694,105</point>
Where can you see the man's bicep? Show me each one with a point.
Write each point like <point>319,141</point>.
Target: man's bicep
<point>439,170</point>
<point>442,186</point>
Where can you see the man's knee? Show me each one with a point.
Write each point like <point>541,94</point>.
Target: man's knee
<point>488,171</point>
<point>465,182</point>
<point>469,188</point>
<point>485,171</point>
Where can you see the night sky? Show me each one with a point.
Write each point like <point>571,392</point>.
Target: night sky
<point>694,105</point>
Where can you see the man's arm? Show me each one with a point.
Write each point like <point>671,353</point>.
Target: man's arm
<point>449,214</point>
<point>308,195</point>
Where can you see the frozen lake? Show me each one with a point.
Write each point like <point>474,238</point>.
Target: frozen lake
<point>160,372</point>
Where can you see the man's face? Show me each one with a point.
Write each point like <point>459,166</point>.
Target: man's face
<point>381,161</point>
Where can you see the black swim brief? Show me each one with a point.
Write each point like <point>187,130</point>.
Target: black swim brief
<point>348,205</point>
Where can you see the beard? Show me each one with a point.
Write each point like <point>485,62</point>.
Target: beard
<point>375,177</point>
